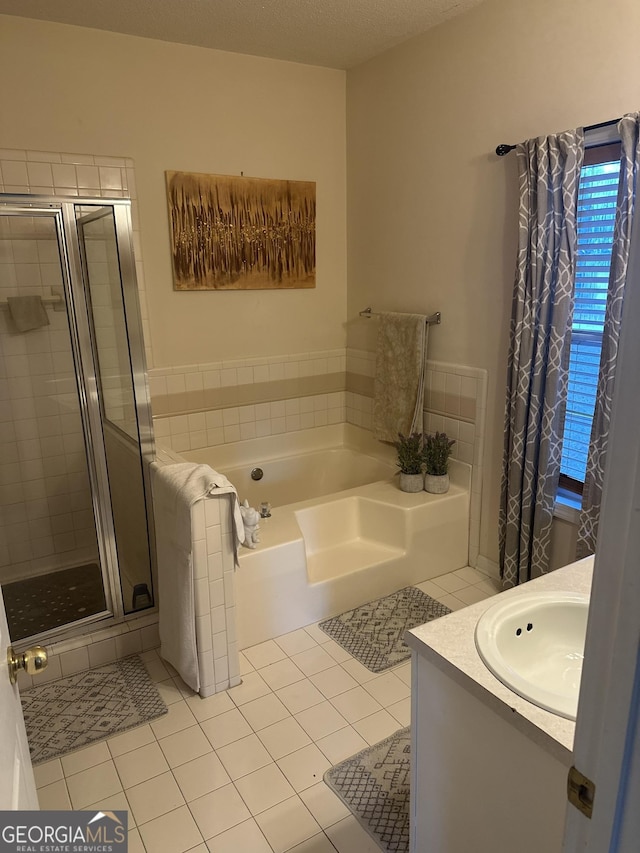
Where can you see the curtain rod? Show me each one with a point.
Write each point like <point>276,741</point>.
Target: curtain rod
<point>503,149</point>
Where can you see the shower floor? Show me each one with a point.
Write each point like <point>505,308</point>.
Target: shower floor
<point>48,601</point>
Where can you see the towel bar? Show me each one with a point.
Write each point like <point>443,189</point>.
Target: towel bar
<point>432,319</point>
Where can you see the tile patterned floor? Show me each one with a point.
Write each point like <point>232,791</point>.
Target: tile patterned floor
<point>241,772</point>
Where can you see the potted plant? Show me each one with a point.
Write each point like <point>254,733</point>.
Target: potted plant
<point>435,454</point>
<point>410,461</point>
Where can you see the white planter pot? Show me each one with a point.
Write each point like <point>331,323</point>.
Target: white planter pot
<point>436,484</point>
<point>411,482</point>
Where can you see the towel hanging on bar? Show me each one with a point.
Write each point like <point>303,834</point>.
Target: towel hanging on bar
<point>400,373</point>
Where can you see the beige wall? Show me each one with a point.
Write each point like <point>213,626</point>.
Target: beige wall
<point>171,106</point>
<point>432,210</point>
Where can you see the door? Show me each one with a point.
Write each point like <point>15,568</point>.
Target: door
<point>607,740</point>
<point>17,785</point>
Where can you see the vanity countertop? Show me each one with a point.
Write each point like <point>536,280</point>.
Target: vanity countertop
<point>448,643</point>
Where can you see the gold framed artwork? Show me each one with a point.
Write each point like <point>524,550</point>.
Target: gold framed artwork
<point>237,233</point>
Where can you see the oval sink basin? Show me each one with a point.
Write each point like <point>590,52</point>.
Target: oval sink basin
<point>534,644</point>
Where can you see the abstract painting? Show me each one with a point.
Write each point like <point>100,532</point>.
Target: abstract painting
<point>237,233</point>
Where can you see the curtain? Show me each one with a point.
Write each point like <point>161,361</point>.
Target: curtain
<point>629,129</point>
<point>549,175</point>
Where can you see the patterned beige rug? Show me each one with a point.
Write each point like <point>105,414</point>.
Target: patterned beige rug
<point>374,785</point>
<point>65,715</point>
<point>374,633</point>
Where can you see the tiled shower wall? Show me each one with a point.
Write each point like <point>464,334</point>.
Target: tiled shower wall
<point>46,519</point>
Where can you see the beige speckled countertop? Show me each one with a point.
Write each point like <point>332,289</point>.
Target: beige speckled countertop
<point>448,643</point>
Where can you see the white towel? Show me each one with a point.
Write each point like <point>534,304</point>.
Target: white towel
<point>175,489</point>
<point>27,312</point>
<point>400,372</point>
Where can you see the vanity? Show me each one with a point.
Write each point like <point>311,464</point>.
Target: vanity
<point>489,769</point>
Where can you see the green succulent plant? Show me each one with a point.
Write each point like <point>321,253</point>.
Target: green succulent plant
<point>436,452</point>
<point>410,458</point>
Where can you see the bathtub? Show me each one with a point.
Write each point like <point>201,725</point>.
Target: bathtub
<point>341,532</point>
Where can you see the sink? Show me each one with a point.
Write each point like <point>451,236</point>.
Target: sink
<point>534,644</point>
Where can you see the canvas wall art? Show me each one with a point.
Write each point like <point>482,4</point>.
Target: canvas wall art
<point>237,233</point>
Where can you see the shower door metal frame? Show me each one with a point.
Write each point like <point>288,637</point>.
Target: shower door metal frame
<point>63,213</point>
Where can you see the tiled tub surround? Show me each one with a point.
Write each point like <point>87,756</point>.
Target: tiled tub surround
<point>455,403</point>
<point>213,572</point>
<point>320,556</point>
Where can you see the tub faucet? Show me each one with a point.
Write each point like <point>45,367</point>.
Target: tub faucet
<point>265,509</point>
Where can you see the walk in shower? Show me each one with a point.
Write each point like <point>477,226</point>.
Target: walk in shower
<point>75,422</point>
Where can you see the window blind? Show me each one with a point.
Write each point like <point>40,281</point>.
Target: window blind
<point>597,199</point>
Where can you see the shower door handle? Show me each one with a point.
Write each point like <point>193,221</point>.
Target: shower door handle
<point>32,660</point>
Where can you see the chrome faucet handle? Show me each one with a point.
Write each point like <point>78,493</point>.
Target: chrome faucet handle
<point>265,509</point>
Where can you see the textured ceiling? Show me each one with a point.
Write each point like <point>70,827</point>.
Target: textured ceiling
<point>333,33</point>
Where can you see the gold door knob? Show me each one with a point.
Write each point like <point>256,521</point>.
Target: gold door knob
<point>32,660</point>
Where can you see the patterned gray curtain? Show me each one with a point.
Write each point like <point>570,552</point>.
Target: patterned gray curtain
<point>549,172</point>
<point>629,128</point>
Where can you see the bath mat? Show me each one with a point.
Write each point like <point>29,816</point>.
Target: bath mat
<point>65,715</point>
<point>374,633</point>
<point>47,601</point>
<point>374,785</point>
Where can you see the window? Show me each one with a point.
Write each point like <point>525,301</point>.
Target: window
<point>597,199</point>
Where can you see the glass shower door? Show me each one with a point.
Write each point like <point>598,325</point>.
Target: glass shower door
<point>50,565</point>
<point>116,335</point>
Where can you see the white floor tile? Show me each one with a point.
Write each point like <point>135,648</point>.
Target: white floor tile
<point>244,756</point>
<point>401,711</point>
<point>169,691</point>
<point>218,811</point>
<point>225,728</point>
<point>157,670</point>
<point>178,717</point>
<point>90,786</point>
<point>82,759</point>
<point>175,832</point>
<point>245,666</point>
<point>432,589</point>
<point>472,594</point>
<point>356,704</point>
<point>246,837</point>
<point>281,674</point>
<point>140,736</point>
<point>348,836</point>
<point>316,633</point>
<point>50,771</point>
<point>333,681</point>
<point>336,651</point>
<point>342,744</point>
<point>287,824</point>
<point>154,798</point>
<point>305,767</point>
<point>450,582</point>
<point>300,695</point>
<point>264,788</point>
<point>295,642</point>
<point>358,671</point>
<point>317,844</point>
<point>184,746</point>
<point>313,660</point>
<point>253,686</point>
<point>140,764</point>
<point>264,654</point>
<point>284,737</point>
<point>469,575</point>
<point>387,689</point>
<point>264,712</point>
<point>54,797</point>
<point>321,720</point>
<point>403,672</point>
<point>134,841</point>
<point>452,602</point>
<point>212,706</point>
<point>377,727</point>
<point>114,803</point>
<point>324,805</point>
<point>201,776</point>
